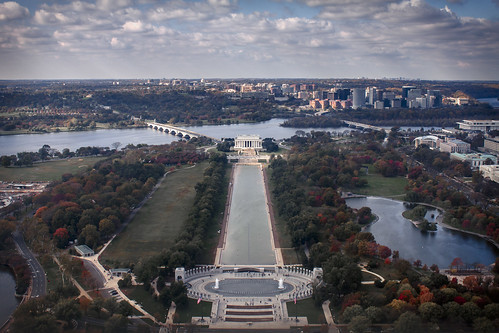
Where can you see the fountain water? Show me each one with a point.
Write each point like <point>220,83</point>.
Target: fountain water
<point>216,284</point>
<point>281,284</point>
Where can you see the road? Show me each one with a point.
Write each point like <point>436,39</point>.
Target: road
<point>39,282</point>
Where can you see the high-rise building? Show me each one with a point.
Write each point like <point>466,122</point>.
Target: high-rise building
<point>389,95</point>
<point>438,97</point>
<point>405,90</point>
<point>359,97</point>
<point>373,95</point>
<point>413,94</point>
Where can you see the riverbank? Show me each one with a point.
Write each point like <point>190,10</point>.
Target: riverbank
<point>439,248</point>
<point>440,221</point>
<point>485,237</point>
<point>67,130</point>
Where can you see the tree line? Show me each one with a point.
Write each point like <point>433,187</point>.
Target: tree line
<point>306,187</point>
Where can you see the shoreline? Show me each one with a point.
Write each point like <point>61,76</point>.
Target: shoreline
<point>2,133</point>
<point>439,221</point>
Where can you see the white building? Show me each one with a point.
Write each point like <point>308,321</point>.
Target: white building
<point>479,125</point>
<point>476,160</point>
<point>491,145</point>
<point>455,146</point>
<point>247,142</point>
<point>84,250</point>
<point>430,140</point>
<point>491,172</point>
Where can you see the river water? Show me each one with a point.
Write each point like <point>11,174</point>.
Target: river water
<point>493,101</point>
<point>12,144</point>
<point>248,239</point>
<point>8,301</point>
<point>441,247</point>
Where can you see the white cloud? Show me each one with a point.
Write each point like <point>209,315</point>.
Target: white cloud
<point>389,38</point>
<point>135,26</point>
<point>45,17</point>
<point>112,4</point>
<point>11,10</point>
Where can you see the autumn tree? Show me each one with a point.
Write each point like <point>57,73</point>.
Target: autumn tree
<point>61,237</point>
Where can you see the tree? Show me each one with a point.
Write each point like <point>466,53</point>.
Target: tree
<point>61,237</point>
<point>116,145</point>
<point>384,251</point>
<point>106,227</point>
<point>117,323</point>
<point>375,314</point>
<point>359,324</point>
<point>408,322</point>
<point>483,325</point>
<point>6,161</point>
<point>6,229</point>
<point>470,311</point>
<point>67,310</point>
<point>457,262</point>
<point>89,236</point>
<point>431,312</point>
<point>269,145</point>
<point>351,312</point>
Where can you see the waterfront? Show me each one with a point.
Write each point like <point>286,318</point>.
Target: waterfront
<point>7,290</point>
<point>12,144</point>
<point>439,248</point>
<point>248,239</point>
<point>493,101</point>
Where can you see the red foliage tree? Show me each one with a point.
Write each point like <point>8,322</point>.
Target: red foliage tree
<point>384,251</point>
<point>61,237</point>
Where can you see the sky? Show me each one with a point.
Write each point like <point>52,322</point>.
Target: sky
<point>140,39</point>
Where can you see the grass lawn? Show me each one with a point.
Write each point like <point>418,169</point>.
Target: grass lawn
<point>290,256</point>
<point>382,186</point>
<point>143,297</point>
<point>159,221</point>
<point>54,276</point>
<point>212,236</point>
<point>306,308</point>
<point>185,314</point>
<point>48,171</point>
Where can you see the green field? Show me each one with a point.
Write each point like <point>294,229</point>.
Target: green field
<point>48,171</point>
<point>306,308</point>
<point>54,275</point>
<point>144,298</point>
<point>160,220</point>
<point>185,314</point>
<point>380,186</point>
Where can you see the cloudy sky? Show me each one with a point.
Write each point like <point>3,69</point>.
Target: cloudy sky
<point>427,39</point>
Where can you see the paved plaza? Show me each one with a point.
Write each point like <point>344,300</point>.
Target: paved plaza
<point>249,296</point>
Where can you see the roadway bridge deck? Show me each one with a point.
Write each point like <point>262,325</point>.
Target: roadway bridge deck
<point>179,131</point>
<point>364,126</point>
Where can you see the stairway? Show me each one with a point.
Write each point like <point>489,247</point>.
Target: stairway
<point>249,313</point>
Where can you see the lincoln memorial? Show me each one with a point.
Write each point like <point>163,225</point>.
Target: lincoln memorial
<point>246,142</point>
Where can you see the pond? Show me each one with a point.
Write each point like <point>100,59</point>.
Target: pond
<point>7,291</point>
<point>440,248</point>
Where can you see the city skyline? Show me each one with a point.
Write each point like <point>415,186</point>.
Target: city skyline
<point>432,39</point>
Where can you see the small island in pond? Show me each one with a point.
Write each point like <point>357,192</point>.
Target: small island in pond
<point>417,217</point>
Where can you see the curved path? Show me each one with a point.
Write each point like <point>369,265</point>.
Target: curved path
<point>39,280</point>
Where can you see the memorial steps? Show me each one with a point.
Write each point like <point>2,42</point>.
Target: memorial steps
<point>249,313</point>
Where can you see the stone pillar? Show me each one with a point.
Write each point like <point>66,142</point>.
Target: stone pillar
<point>179,274</point>
<point>317,273</point>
